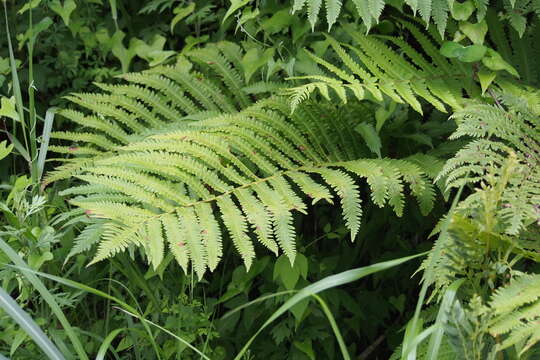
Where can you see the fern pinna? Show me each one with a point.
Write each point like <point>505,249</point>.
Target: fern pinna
<point>175,157</point>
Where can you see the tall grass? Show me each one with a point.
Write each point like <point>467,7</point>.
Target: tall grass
<point>28,124</point>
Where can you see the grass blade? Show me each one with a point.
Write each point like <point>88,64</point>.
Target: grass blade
<point>258,300</point>
<point>326,310</point>
<point>324,284</point>
<point>15,81</point>
<point>18,146</point>
<point>167,332</point>
<point>408,342</point>
<point>47,296</point>
<point>45,137</point>
<point>442,318</point>
<point>31,101</point>
<point>24,320</point>
<point>107,343</point>
<point>335,328</point>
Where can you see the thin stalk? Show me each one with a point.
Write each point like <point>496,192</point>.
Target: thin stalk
<point>31,104</point>
<point>15,82</point>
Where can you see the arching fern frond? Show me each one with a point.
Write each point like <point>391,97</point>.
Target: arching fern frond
<point>175,170</point>
<point>372,68</point>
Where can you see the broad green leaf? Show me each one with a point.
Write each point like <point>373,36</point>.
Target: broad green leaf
<point>286,273</point>
<point>486,77</point>
<point>451,49</point>
<point>475,32</point>
<point>7,108</point>
<point>306,348</point>
<point>5,149</point>
<point>289,275</point>
<point>29,5</point>
<point>494,61</point>
<point>255,59</point>
<point>181,13</point>
<point>462,11</point>
<point>33,32</point>
<point>518,22</point>
<point>64,10</point>
<point>235,6</point>
<point>153,51</point>
<point>125,55</point>
<point>247,15</point>
<point>278,22</point>
<point>472,53</point>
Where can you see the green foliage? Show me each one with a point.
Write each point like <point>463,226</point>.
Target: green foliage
<point>493,228</point>
<point>515,313</point>
<point>373,68</point>
<point>249,165</point>
<point>195,151</point>
<point>437,11</point>
<point>500,133</point>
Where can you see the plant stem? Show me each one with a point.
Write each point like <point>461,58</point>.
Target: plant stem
<point>32,109</point>
<point>15,83</point>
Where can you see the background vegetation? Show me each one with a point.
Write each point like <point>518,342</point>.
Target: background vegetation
<point>244,179</point>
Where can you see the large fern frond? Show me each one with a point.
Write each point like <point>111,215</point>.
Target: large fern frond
<point>190,177</point>
<point>373,68</point>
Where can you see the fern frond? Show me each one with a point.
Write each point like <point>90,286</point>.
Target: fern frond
<point>436,11</point>
<point>190,175</point>
<point>371,65</point>
<point>498,134</point>
<point>516,310</point>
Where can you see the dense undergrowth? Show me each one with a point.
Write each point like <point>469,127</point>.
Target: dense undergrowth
<point>271,179</point>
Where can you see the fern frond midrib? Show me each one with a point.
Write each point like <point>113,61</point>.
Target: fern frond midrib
<point>280,174</point>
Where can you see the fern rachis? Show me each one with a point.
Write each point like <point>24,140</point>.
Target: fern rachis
<point>190,182</point>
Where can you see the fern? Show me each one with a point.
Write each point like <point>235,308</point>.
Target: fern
<point>182,180</point>
<point>372,68</point>
<point>516,313</point>
<point>438,11</point>
<point>499,133</point>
